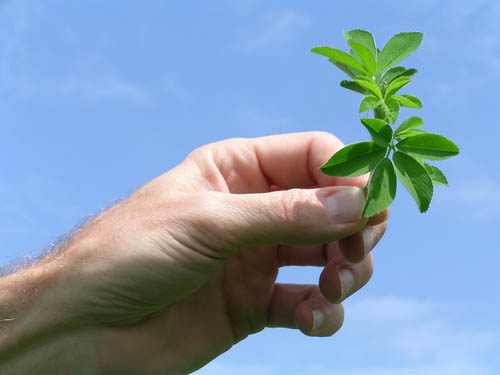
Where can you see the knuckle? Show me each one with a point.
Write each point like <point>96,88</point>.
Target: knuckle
<point>199,153</point>
<point>294,207</point>
<point>215,148</point>
<point>329,137</point>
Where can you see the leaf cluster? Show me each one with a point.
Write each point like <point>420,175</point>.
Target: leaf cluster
<point>392,153</point>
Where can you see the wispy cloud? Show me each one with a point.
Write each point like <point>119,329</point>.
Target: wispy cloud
<point>100,87</point>
<point>275,29</point>
<point>239,369</point>
<point>422,337</point>
<point>479,198</point>
<point>424,333</point>
<point>171,86</point>
<point>243,7</point>
<point>92,76</point>
<point>457,367</point>
<point>32,196</point>
<point>256,118</point>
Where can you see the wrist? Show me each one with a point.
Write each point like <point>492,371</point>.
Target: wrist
<point>39,325</point>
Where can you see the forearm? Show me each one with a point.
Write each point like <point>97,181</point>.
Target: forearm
<point>39,328</point>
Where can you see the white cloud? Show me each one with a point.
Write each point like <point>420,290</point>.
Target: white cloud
<point>92,76</point>
<point>98,87</point>
<point>252,117</point>
<point>457,367</point>
<point>171,86</point>
<point>389,309</point>
<point>276,29</point>
<point>238,369</point>
<point>418,337</point>
<point>421,331</point>
<point>243,7</point>
<point>480,198</point>
<point>35,196</point>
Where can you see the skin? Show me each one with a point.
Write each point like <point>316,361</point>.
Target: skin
<point>185,268</point>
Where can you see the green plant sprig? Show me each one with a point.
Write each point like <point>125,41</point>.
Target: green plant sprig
<point>373,73</point>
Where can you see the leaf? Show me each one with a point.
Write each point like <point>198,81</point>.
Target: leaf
<point>370,85</point>
<point>380,113</point>
<point>362,37</point>
<point>437,177</point>
<point>408,124</point>
<point>411,133</point>
<point>351,85</point>
<point>394,73</point>
<point>381,188</point>
<point>380,131</point>
<point>356,56</point>
<point>354,160</point>
<point>408,101</point>
<point>396,84</point>
<point>428,146</point>
<point>366,56</point>
<point>340,56</point>
<point>414,178</point>
<point>391,108</point>
<point>368,103</point>
<point>351,72</point>
<point>398,48</point>
<point>409,72</point>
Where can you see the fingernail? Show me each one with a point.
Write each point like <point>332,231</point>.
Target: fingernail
<point>346,282</point>
<point>346,205</point>
<point>368,238</point>
<point>318,319</point>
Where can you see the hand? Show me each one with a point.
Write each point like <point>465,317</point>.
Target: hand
<point>185,268</point>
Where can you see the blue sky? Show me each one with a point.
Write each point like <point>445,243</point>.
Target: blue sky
<point>97,98</point>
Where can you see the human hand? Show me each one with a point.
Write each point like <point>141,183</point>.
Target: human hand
<point>186,267</point>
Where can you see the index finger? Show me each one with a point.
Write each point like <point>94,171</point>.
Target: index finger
<point>293,160</point>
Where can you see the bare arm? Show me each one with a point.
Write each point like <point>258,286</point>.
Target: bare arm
<point>40,333</point>
<point>185,268</point>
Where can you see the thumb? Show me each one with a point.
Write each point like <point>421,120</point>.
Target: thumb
<point>294,217</point>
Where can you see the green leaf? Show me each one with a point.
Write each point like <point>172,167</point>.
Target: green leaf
<point>437,177</point>
<point>414,178</point>
<point>391,109</point>
<point>339,56</point>
<point>428,146</point>
<point>408,101</point>
<point>392,74</point>
<point>398,48</point>
<point>354,160</point>
<point>366,56</point>
<point>380,113</point>
<point>356,56</point>
<point>351,85</point>
<point>408,124</point>
<point>380,131</point>
<point>370,85</point>
<point>368,103</point>
<point>362,37</point>
<point>351,72</point>
<point>409,72</point>
<point>395,85</point>
<point>381,188</point>
<point>411,133</point>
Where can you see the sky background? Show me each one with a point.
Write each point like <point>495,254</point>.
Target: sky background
<point>99,97</point>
